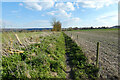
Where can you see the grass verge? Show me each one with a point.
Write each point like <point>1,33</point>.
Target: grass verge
<point>47,60</point>
<point>38,61</point>
<point>81,70</point>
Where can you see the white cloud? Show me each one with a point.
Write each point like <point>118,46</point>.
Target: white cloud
<point>95,3</point>
<point>38,23</point>
<point>60,14</point>
<point>71,22</point>
<point>32,24</point>
<point>20,4</point>
<point>108,19</point>
<point>83,10</point>
<point>73,19</point>
<point>0,23</point>
<point>39,4</point>
<point>52,13</point>
<point>63,13</point>
<point>32,6</point>
<point>62,10</point>
<point>42,15</point>
<point>8,24</point>
<point>65,6</point>
<point>15,11</point>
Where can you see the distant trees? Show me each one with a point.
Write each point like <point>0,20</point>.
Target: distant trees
<point>56,25</point>
<point>75,28</point>
<point>70,29</point>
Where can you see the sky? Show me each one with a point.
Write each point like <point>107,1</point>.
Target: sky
<point>71,13</point>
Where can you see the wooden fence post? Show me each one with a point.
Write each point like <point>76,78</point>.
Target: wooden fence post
<point>97,54</point>
<point>77,36</point>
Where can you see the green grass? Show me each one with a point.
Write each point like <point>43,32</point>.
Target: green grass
<point>47,59</point>
<point>21,35</point>
<point>81,70</point>
<point>97,29</point>
<point>44,60</point>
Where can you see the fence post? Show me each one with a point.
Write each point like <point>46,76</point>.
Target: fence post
<point>77,36</point>
<point>97,54</point>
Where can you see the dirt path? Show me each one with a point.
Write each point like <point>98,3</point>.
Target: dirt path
<point>68,67</point>
<point>68,70</point>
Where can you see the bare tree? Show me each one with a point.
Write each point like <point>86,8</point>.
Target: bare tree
<point>56,25</point>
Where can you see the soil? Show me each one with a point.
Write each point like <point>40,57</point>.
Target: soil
<point>108,53</point>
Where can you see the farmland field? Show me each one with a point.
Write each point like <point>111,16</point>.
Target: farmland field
<point>41,58</point>
<point>43,55</point>
<point>108,54</point>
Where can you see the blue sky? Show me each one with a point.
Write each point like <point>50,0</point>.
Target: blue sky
<point>79,13</point>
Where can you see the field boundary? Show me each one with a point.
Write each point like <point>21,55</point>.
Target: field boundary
<point>80,69</point>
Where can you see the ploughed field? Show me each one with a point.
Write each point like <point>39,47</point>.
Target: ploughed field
<point>108,53</point>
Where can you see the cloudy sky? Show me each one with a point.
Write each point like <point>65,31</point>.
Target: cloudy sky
<point>72,13</point>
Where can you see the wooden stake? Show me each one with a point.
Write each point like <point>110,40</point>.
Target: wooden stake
<point>77,36</point>
<point>97,54</point>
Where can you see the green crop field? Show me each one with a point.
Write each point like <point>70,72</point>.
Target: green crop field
<point>112,29</point>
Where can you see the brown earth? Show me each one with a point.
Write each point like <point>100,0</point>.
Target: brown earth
<point>108,54</point>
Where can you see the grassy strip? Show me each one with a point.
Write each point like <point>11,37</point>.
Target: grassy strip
<point>44,60</point>
<point>21,35</point>
<point>81,70</point>
<point>97,29</point>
